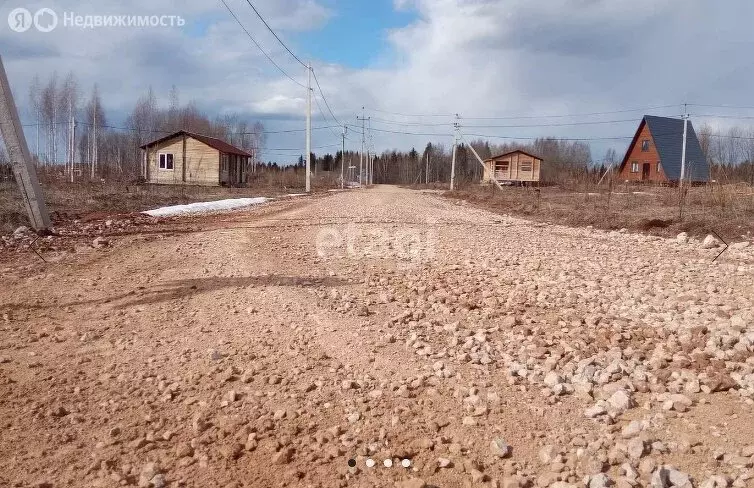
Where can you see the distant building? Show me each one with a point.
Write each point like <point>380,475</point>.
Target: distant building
<point>185,158</point>
<point>655,153</point>
<point>515,166</point>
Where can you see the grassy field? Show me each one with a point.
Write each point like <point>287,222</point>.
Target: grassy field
<point>725,209</point>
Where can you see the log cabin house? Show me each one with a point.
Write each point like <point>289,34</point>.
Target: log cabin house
<point>513,167</point>
<point>654,154</point>
<point>186,158</point>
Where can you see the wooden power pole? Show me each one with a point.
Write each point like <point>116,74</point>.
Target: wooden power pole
<point>18,151</point>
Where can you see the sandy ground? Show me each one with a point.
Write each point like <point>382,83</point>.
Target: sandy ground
<point>271,346</point>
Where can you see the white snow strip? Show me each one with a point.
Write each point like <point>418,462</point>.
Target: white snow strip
<point>205,207</point>
<point>297,194</point>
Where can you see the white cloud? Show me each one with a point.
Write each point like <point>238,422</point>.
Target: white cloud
<point>476,57</point>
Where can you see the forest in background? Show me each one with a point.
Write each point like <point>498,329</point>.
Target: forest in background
<point>101,149</point>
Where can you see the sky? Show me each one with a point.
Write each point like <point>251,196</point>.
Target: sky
<point>512,69</point>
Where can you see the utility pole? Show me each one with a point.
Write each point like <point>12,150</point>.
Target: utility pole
<point>343,156</point>
<point>69,149</point>
<point>309,131</point>
<point>371,155</point>
<point>683,149</point>
<point>18,152</point>
<point>457,126</point>
<point>363,142</point>
<point>478,158</point>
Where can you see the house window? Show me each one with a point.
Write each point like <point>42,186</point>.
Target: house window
<point>645,145</point>
<point>224,163</point>
<point>502,166</point>
<point>659,168</point>
<point>635,167</point>
<point>526,166</point>
<point>166,161</point>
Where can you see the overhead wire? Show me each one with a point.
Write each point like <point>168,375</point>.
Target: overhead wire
<point>513,117</point>
<point>274,34</point>
<point>260,47</point>
<point>319,107</point>
<point>324,99</point>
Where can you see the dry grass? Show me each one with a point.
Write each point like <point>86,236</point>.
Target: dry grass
<point>89,200</point>
<point>725,209</point>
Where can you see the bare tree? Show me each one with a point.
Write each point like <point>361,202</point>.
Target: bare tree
<point>748,152</point>
<point>68,104</point>
<point>704,136</point>
<point>35,102</point>
<point>49,102</point>
<point>94,122</point>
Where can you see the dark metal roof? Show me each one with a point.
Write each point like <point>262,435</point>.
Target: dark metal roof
<point>212,142</point>
<point>514,152</point>
<point>667,134</point>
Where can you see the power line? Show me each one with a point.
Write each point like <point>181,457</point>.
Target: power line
<point>273,33</point>
<point>734,117</point>
<point>494,136</point>
<point>319,107</point>
<point>742,107</point>
<point>562,124</point>
<point>589,114</point>
<point>409,115</point>
<point>513,117</point>
<point>163,131</point>
<point>584,139</point>
<point>260,47</point>
<point>399,132</point>
<point>298,149</point>
<point>412,124</point>
<point>324,99</point>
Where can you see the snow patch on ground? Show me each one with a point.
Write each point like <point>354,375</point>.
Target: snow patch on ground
<point>297,194</point>
<point>205,207</point>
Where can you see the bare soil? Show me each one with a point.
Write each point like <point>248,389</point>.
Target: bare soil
<point>269,347</point>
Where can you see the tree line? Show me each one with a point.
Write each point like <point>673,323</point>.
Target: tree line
<point>71,132</point>
<point>570,159</point>
<point>730,153</point>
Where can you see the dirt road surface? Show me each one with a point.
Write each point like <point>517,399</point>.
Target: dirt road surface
<point>269,347</point>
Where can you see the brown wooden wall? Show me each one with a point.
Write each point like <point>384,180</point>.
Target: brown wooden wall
<point>514,172</point>
<point>202,163</point>
<point>635,154</point>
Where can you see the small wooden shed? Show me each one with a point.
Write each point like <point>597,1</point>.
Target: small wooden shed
<point>186,158</point>
<point>512,167</point>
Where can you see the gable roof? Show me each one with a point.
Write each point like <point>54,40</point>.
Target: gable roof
<point>667,134</point>
<point>212,142</point>
<point>514,152</point>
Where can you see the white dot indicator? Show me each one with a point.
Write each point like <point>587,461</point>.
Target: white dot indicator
<point>388,463</point>
<point>406,463</point>
<point>370,463</point>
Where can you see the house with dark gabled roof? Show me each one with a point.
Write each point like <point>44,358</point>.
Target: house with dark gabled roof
<point>655,153</point>
<point>186,158</point>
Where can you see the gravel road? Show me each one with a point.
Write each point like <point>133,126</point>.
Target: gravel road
<point>271,346</point>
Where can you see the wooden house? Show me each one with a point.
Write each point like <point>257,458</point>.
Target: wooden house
<point>186,158</point>
<point>513,167</point>
<point>654,154</point>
